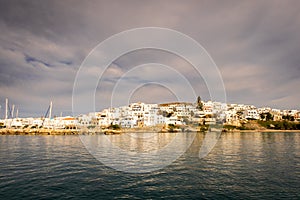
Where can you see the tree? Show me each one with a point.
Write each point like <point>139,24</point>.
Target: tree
<point>269,116</point>
<point>262,116</point>
<point>114,127</point>
<point>292,118</point>
<point>288,117</point>
<point>164,113</point>
<point>169,114</point>
<point>199,103</point>
<point>266,116</point>
<point>192,113</point>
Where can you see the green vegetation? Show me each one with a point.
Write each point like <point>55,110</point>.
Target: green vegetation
<point>203,128</point>
<point>280,125</point>
<point>229,127</point>
<point>243,127</point>
<point>172,127</point>
<point>261,124</point>
<point>114,127</point>
<point>165,113</point>
<point>91,126</point>
<point>288,117</point>
<point>26,126</point>
<point>199,103</point>
<point>266,116</point>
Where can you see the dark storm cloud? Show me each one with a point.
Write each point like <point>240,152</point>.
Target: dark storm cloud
<point>255,44</point>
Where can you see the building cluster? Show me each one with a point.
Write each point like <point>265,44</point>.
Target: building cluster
<point>146,115</point>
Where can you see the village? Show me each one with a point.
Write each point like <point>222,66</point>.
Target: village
<point>142,115</point>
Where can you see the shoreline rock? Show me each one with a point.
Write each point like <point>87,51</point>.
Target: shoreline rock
<point>33,132</point>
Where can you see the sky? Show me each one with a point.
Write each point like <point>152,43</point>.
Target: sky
<point>254,44</point>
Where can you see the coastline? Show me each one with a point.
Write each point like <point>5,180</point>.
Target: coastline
<point>6,131</point>
<point>32,132</point>
<point>263,131</point>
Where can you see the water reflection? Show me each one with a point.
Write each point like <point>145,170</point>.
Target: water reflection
<point>240,166</point>
<point>138,152</point>
<point>141,142</point>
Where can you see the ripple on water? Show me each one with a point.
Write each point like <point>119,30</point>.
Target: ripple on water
<point>242,165</point>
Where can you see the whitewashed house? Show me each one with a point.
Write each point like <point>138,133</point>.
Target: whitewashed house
<point>251,114</point>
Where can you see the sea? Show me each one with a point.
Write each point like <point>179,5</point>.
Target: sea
<point>240,165</point>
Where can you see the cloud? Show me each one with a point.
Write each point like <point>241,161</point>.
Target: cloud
<point>255,44</point>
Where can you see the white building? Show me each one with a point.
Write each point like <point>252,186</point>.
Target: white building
<point>251,114</point>
<point>231,118</point>
<point>85,120</point>
<point>174,121</point>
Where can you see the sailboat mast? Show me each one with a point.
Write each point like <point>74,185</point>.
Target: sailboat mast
<point>6,108</point>
<point>12,111</point>
<point>50,111</point>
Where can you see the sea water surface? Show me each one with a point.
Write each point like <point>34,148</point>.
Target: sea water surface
<point>241,166</point>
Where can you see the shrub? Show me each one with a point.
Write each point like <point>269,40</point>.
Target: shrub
<point>230,127</point>
<point>115,127</point>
